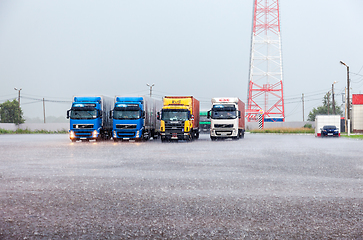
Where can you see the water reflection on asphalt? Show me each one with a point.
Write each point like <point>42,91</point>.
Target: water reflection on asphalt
<point>264,186</point>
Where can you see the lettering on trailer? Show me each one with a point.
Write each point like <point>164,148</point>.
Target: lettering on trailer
<point>176,101</point>
<point>223,100</point>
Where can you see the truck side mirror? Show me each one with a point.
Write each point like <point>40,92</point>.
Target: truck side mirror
<point>100,113</point>
<point>208,114</point>
<point>239,114</point>
<point>111,115</point>
<point>143,114</point>
<point>192,117</point>
<point>68,114</point>
<point>158,116</point>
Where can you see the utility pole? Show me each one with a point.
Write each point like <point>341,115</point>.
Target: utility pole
<point>328,102</point>
<point>44,109</point>
<point>345,115</point>
<point>303,107</point>
<point>348,97</point>
<point>151,88</point>
<point>332,92</point>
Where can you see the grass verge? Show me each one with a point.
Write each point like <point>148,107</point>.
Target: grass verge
<point>284,130</point>
<point>352,136</point>
<point>27,131</point>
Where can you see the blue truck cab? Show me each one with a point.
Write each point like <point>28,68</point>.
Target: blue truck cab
<point>134,118</point>
<point>89,118</point>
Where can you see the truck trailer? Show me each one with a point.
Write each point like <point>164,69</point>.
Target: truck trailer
<point>328,121</point>
<point>227,118</point>
<point>89,118</point>
<point>179,118</point>
<point>135,118</point>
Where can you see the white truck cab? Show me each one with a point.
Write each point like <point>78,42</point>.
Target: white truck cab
<point>227,118</point>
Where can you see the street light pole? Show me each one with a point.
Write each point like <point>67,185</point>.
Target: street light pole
<point>18,95</point>
<point>18,101</point>
<point>348,97</point>
<point>151,88</point>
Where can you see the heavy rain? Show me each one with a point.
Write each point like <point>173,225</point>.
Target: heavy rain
<point>265,186</point>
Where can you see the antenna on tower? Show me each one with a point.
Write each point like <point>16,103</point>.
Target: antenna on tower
<point>265,88</point>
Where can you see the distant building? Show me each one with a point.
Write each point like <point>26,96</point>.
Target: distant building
<point>357,113</point>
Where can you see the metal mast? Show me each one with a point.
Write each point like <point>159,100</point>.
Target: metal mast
<point>265,88</point>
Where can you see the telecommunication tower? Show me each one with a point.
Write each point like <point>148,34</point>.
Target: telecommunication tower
<point>265,88</point>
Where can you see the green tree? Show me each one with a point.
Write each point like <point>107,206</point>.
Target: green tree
<point>10,112</point>
<point>326,109</point>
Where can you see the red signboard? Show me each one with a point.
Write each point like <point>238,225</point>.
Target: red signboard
<point>357,99</point>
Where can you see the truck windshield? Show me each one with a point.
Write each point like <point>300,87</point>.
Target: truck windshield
<point>126,114</point>
<point>172,115</point>
<point>83,114</point>
<point>225,111</point>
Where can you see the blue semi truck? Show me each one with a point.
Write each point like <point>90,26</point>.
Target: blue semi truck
<point>135,118</point>
<point>89,118</point>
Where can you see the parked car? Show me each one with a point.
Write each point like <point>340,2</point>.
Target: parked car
<point>329,131</point>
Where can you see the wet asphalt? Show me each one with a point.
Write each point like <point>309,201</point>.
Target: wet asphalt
<point>265,186</point>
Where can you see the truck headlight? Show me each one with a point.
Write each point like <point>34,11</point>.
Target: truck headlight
<point>72,135</point>
<point>137,134</point>
<point>95,134</point>
<point>114,134</point>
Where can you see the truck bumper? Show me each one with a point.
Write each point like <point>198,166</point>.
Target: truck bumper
<point>223,133</point>
<point>75,135</point>
<point>175,136</point>
<point>126,135</point>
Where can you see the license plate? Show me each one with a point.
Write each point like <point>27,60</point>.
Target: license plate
<point>330,134</point>
<point>174,135</point>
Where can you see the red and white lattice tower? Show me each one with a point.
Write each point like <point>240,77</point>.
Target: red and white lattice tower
<point>265,88</point>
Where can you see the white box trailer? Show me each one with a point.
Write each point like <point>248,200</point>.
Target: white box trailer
<point>324,120</point>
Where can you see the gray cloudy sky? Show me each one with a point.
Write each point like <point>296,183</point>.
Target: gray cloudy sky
<point>57,49</point>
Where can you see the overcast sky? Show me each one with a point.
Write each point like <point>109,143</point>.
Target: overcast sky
<point>60,48</point>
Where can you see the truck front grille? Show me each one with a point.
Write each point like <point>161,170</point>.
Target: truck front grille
<point>126,135</point>
<point>226,133</point>
<point>126,126</point>
<point>174,127</point>
<point>83,126</point>
<point>223,125</point>
<point>83,133</point>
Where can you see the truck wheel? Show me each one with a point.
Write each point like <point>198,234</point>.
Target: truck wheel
<point>115,140</point>
<point>74,140</point>
<point>190,137</point>
<point>213,138</point>
<point>243,134</point>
